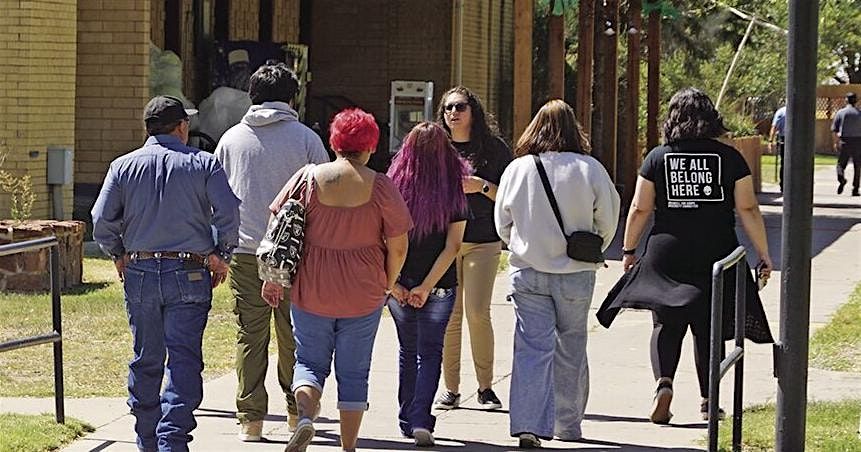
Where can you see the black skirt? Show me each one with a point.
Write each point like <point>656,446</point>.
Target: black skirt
<point>674,277</point>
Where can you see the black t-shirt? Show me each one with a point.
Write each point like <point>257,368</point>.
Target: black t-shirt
<point>489,164</point>
<point>422,254</point>
<point>694,186</point>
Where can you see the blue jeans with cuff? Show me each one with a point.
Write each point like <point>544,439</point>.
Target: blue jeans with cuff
<point>351,340</point>
<point>167,302</point>
<point>421,333</point>
<point>550,375</point>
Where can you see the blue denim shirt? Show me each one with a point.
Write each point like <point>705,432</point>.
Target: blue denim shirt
<point>166,196</point>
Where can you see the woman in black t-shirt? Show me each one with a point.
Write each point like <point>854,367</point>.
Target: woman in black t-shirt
<point>429,173</point>
<point>474,134</point>
<point>695,186</point>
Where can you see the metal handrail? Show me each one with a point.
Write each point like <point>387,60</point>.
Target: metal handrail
<point>55,336</point>
<point>717,367</point>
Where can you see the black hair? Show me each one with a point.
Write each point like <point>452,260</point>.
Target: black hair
<point>484,128</point>
<point>162,129</point>
<point>273,83</point>
<point>851,98</point>
<point>692,115</point>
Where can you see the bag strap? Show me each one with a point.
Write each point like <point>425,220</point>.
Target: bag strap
<point>309,179</point>
<point>549,191</point>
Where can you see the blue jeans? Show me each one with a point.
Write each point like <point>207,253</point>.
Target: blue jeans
<point>167,308</point>
<point>550,375</point>
<point>421,333</point>
<point>351,340</point>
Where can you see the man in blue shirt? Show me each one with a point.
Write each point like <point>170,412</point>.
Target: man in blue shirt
<point>777,137</point>
<point>154,216</point>
<point>847,142</point>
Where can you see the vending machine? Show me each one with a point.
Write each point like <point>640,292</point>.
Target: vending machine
<point>411,102</point>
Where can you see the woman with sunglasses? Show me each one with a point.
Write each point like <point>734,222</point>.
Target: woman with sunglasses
<point>475,135</point>
<point>422,299</point>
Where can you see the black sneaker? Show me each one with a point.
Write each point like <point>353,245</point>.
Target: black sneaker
<point>488,400</point>
<point>529,441</point>
<point>447,401</point>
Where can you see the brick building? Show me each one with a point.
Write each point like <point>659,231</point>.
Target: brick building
<point>77,71</point>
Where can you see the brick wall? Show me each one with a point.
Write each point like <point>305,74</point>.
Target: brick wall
<point>244,20</point>
<point>385,41</point>
<point>285,24</point>
<point>112,81</point>
<point>37,91</point>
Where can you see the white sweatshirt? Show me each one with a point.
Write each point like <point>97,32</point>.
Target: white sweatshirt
<point>587,200</point>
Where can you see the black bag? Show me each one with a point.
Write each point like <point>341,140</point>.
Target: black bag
<point>281,248</point>
<point>582,245</point>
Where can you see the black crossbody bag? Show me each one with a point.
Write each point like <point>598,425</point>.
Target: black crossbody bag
<point>582,245</point>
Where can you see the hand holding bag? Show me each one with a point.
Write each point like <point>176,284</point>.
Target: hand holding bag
<point>582,245</point>
<point>281,248</point>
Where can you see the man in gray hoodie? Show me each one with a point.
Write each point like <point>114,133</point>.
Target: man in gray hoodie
<point>259,155</point>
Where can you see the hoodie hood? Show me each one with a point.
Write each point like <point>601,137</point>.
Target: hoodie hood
<point>269,113</point>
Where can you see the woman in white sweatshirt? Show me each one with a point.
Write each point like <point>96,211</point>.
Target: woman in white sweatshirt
<point>552,292</point>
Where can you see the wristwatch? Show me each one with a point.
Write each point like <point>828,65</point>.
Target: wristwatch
<point>485,188</point>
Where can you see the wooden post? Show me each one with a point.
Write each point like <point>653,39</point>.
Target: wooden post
<point>606,92</point>
<point>585,54</point>
<point>630,158</point>
<point>654,79</point>
<point>556,55</point>
<point>522,66</point>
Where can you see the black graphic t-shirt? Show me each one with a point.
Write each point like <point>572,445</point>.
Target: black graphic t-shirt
<point>694,185</point>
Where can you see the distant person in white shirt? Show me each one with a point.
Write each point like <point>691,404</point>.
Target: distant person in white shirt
<point>226,106</point>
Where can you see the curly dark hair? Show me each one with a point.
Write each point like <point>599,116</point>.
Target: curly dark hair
<point>484,128</point>
<point>692,115</point>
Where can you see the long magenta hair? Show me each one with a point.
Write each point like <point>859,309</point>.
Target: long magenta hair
<point>429,172</point>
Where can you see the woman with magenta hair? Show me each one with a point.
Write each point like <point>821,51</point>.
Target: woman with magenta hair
<point>428,172</point>
<point>474,134</point>
<point>356,226</point>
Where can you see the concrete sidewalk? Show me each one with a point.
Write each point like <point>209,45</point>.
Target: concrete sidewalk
<point>621,379</point>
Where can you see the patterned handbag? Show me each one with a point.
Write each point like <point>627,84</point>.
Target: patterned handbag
<point>281,248</point>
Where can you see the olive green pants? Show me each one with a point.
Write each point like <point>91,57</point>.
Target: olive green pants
<point>253,317</point>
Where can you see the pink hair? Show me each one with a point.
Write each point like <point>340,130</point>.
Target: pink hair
<point>354,130</point>
<point>429,174</point>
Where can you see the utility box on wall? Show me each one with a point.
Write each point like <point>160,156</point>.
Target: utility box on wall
<point>60,164</point>
<point>411,102</point>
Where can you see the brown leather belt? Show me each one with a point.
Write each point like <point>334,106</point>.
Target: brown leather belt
<point>181,255</point>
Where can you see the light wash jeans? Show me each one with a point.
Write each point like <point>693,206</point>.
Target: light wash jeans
<point>550,376</point>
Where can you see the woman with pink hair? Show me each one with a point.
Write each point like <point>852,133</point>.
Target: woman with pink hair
<point>356,226</point>
<point>428,172</point>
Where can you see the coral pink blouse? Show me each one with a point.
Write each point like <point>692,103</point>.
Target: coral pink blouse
<point>343,268</point>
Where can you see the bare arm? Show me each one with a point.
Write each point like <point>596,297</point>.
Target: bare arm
<point>453,240</point>
<point>396,255</point>
<point>747,208</point>
<point>641,210</point>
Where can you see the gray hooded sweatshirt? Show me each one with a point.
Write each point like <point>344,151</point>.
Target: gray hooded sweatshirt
<point>259,155</point>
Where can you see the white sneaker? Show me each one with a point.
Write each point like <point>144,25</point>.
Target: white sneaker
<point>423,437</point>
<point>302,437</point>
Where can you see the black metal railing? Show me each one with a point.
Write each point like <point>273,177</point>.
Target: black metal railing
<point>717,367</point>
<point>56,336</point>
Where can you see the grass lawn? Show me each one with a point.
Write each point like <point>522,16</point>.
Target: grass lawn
<point>831,426</point>
<point>21,433</point>
<point>96,342</point>
<point>837,346</point>
<point>769,172</point>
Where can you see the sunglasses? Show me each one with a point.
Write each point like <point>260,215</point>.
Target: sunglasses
<point>460,106</point>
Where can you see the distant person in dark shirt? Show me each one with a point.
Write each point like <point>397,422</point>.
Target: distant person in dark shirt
<point>428,172</point>
<point>154,216</point>
<point>847,142</point>
<point>474,134</point>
